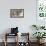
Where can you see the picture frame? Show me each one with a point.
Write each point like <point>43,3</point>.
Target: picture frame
<point>41,12</point>
<point>41,8</point>
<point>16,13</point>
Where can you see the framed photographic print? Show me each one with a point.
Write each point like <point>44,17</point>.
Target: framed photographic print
<point>16,13</point>
<point>41,12</point>
<point>41,8</point>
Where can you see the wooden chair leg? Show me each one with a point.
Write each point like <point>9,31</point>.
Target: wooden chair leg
<point>17,39</point>
<point>5,43</point>
<point>5,40</point>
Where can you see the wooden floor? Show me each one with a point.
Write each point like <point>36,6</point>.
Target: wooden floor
<point>13,44</point>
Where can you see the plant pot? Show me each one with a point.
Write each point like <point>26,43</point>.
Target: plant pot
<point>40,41</point>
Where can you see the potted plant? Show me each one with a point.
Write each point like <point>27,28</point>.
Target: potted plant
<point>39,35</point>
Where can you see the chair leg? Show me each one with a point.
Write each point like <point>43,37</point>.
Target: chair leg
<point>5,40</point>
<point>5,43</point>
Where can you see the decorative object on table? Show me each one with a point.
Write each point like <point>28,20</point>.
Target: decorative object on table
<point>17,13</point>
<point>14,30</point>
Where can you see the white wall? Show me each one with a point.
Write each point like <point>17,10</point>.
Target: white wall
<point>24,24</point>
